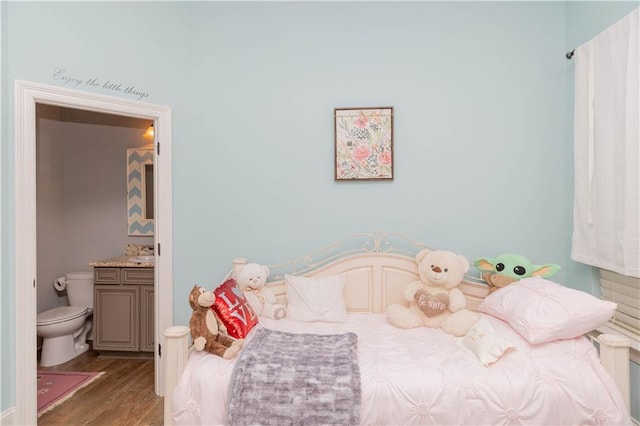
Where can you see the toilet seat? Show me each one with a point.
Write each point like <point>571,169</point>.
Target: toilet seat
<point>60,314</point>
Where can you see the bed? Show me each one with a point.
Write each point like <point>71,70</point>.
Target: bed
<point>414,376</point>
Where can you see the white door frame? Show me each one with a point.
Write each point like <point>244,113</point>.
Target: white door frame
<point>27,95</point>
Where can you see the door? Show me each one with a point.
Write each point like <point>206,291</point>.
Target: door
<point>27,96</point>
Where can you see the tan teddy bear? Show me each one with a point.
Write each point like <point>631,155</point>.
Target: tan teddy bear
<point>206,327</point>
<point>434,300</point>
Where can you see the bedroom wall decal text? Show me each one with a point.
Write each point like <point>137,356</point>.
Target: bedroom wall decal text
<point>69,80</point>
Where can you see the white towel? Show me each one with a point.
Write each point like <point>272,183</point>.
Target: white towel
<point>606,219</point>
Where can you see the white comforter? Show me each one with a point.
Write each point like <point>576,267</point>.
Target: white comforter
<point>423,376</point>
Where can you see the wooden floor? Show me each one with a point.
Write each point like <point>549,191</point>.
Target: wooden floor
<point>123,395</point>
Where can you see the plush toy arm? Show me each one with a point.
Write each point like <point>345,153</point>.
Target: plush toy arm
<point>497,281</point>
<point>254,302</point>
<point>199,342</point>
<point>410,290</point>
<point>269,296</point>
<point>221,327</point>
<point>457,301</point>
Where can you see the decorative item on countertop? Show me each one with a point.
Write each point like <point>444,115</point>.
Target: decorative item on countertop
<point>138,250</point>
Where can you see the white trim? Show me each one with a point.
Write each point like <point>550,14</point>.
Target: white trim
<point>27,95</point>
<point>6,418</point>
<point>614,357</point>
<point>634,349</point>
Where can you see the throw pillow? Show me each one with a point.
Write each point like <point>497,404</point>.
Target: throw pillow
<point>542,311</point>
<point>316,299</point>
<point>234,310</point>
<point>483,341</point>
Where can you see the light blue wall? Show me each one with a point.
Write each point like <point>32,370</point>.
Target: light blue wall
<point>481,153</point>
<point>482,126</point>
<point>137,44</point>
<point>6,358</point>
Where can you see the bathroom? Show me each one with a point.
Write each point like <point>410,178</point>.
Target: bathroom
<point>81,195</point>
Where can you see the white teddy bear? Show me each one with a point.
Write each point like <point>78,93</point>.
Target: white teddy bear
<point>435,300</point>
<point>252,278</point>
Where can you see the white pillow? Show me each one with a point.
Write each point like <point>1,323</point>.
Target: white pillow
<point>316,299</point>
<point>542,311</point>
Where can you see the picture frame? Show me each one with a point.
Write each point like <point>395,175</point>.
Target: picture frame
<point>363,142</point>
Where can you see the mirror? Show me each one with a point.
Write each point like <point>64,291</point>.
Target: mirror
<point>140,197</point>
<point>148,191</point>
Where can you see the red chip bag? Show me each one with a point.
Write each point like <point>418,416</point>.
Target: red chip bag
<point>234,310</point>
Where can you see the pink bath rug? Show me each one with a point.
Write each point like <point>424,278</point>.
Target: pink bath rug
<point>54,387</point>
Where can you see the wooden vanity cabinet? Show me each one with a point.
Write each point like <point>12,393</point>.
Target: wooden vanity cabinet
<point>123,315</point>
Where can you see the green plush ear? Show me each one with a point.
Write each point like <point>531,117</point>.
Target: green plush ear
<point>545,271</point>
<point>485,264</point>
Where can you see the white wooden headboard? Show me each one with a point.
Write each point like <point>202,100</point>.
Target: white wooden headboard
<point>373,281</point>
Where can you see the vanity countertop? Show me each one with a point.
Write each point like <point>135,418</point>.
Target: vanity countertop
<point>121,262</point>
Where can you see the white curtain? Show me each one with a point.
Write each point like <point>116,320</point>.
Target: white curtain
<point>606,231</point>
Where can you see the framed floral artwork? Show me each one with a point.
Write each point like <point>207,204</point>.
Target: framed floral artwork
<point>363,143</point>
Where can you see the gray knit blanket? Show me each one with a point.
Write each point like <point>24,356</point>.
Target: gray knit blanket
<point>296,379</point>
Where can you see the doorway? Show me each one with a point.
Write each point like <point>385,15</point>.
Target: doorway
<point>28,96</point>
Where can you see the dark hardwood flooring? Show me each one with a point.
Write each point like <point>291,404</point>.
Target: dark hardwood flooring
<point>123,395</point>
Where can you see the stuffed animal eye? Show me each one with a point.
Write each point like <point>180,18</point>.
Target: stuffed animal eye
<point>519,270</point>
<point>446,269</point>
<point>500,267</point>
<point>202,290</point>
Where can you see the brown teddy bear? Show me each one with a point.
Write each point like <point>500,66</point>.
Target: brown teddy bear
<point>206,327</point>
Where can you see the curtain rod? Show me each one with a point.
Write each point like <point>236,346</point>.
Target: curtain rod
<point>569,55</point>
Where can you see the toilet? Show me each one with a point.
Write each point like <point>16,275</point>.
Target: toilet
<point>64,329</point>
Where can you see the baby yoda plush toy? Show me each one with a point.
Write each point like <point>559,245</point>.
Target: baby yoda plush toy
<point>507,268</point>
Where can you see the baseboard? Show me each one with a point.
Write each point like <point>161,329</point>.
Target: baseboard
<point>6,418</point>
